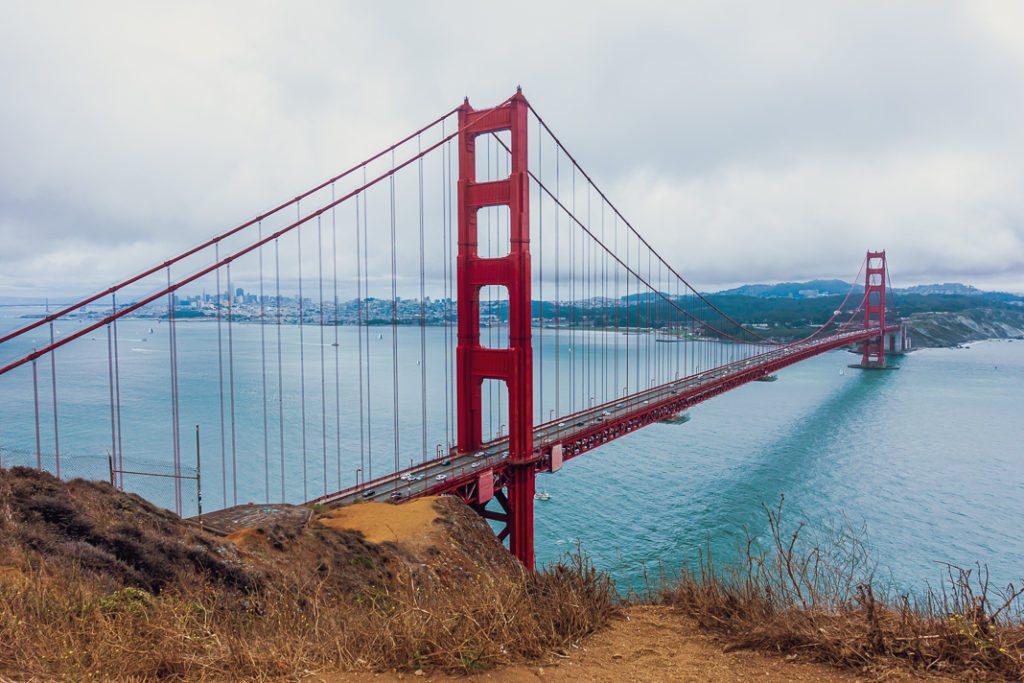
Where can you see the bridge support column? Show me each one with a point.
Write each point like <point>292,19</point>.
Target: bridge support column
<point>873,357</point>
<point>514,365</point>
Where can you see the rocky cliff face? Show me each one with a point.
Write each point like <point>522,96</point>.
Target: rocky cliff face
<point>949,329</point>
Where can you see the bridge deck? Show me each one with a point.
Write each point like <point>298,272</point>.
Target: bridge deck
<point>587,429</point>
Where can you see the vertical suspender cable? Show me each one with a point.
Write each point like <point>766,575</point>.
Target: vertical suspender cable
<point>450,306</point>
<point>558,290</point>
<point>173,354</point>
<point>628,278</point>
<point>263,368</point>
<point>35,403</point>
<point>540,228</point>
<point>337,348</point>
<point>603,326</point>
<point>368,470</point>
<point>650,321</point>
<point>394,315</point>
<point>110,376</point>
<point>572,302</point>
<point>444,296</point>
<point>650,324</point>
<point>615,309</point>
<point>231,391</point>
<point>117,395</point>
<point>360,294</point>
<point>323,361</point>
<point>639,306</point>
<point>53,384</point>
<point>423,315</point>
<point>588,391</point>
<point>603,288</point>
<point>675,329</point>
<point>220,384</point>
<point>302,356</point>
<point>280,367</point>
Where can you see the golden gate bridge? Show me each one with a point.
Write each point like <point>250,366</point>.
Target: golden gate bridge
<point>479,231</point>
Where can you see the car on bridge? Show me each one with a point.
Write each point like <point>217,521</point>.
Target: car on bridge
<point>441,477</point>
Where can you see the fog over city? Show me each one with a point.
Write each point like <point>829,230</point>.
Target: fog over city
<point>748,142</point>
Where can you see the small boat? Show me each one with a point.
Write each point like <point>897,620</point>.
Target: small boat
<point>542,495</point>
<point>678,419</point>
<point>151,330</point>
<point>767,378</point>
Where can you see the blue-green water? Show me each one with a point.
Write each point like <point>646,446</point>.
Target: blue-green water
<point>930,458</point>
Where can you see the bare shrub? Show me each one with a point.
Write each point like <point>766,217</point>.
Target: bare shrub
<point>819,598</point>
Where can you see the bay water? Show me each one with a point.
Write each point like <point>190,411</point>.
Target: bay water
<point>925,463</point>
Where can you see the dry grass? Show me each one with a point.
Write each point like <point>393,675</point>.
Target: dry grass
<point>818,598</point>
<point>76,605</point>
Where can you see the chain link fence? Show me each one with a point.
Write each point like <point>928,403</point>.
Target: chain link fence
<point>157,482</point>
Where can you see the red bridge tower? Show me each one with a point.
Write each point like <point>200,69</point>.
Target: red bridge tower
<point>874,309</point>
<point>513,365</point>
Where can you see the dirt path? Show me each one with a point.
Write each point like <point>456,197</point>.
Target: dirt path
<point>651,644</point>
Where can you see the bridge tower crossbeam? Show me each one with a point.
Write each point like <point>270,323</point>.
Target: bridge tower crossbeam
<point>513,365</point>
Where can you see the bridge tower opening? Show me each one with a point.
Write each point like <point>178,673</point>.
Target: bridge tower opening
<point>513,365</point>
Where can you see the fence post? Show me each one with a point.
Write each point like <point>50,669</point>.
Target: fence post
<point>199,482</point>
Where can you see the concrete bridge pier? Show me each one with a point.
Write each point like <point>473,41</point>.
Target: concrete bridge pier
<point>894,343</point>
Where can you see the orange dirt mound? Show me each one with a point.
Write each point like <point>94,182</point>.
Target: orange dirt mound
<point>249,538</point>
<point>409,524</point>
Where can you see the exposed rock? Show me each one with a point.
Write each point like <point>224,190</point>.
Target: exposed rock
<point>950,329</point>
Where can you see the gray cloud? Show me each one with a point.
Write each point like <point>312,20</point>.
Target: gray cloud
<point>747,141</point>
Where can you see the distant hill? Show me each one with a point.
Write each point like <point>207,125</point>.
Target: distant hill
<point>947,288</point>
<point>819,288</point>
<point>792,290</point>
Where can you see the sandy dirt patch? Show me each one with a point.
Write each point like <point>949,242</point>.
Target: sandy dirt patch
<point>410,524</point>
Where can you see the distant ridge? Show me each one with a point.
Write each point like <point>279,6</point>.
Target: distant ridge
<point>817,288</point>
<point>792,290</point>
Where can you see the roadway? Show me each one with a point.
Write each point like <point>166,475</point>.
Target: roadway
<point>603,422</point>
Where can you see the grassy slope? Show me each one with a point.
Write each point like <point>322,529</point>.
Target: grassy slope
<point>97,583</point>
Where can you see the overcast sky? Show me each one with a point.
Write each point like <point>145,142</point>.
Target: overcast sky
<point>749,141</point>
